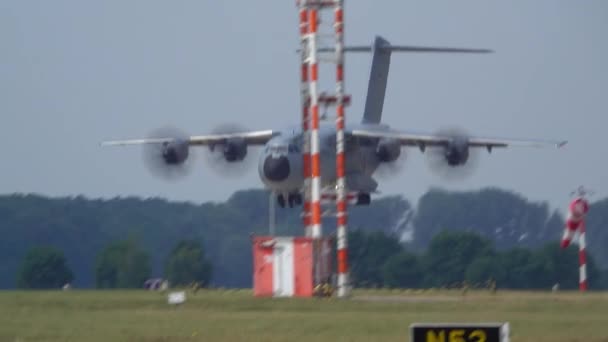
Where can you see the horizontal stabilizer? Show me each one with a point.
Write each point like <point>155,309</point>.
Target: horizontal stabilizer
<point>405,48</point>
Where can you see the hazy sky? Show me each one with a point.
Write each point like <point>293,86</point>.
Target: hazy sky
<point>75,73</point>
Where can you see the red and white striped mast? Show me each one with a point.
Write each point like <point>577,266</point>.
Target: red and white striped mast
<point>341,232</point>
<point>311,97</point>
<point>311,146</point>
<point>315,160</point>
<point>305,99</point>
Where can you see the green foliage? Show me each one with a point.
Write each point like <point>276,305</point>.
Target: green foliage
<point>505,217</point>
<point>602,282</point>
<point>367,254</point>
<point>450,253</point>
<point>403,270</point>
<point>520,268</point>
<point>556,265</point>
<point>83,228</point>
<point>187,264</point>
<point>122,265</point>
<point>597,232</point>
<point>389,215</point>
<point>44,268</point>
<point>485,268</point>
<point>456,256</point>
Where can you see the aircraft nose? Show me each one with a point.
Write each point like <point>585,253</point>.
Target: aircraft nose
<point>276,169</point>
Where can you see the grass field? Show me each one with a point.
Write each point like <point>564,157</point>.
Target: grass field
<point>234,315</point>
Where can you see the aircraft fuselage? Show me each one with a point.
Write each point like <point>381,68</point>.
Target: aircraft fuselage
<point>280,164</point>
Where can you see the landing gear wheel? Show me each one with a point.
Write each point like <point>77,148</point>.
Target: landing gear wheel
<point>290,200</point>
<point>281,201</point>
<point>363,199</point>
<point>294,199</point>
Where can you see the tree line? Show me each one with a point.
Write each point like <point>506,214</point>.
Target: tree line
<point>456,258</point>
<point>122,264</point>
<point>83,228</point>
<point>377,259</point>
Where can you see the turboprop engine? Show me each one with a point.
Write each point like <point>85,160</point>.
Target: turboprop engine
<point>234,150</point>
<point>388,150</point>
<point>170,159</point>
<point>455,159</point>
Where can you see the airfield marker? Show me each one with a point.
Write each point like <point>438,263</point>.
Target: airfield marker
<point>582,258</point>
<point>576,222</point>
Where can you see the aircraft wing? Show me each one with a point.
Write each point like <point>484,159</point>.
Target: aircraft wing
<point>422,140</point>
<point>250,137</point>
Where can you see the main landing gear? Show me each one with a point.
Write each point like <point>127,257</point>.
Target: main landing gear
<point>363,199</point>
<point>291,200</point>
<point>295,199</point>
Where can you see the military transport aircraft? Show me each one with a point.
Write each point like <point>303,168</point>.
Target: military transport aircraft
<point>369,145</point>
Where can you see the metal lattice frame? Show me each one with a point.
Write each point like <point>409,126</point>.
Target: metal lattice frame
<point>310,96</point>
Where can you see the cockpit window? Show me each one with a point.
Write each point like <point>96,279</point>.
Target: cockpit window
<point>278,149</point>
<point>283,148</point>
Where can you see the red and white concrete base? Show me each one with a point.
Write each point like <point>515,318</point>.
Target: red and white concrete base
<point>285,266</point>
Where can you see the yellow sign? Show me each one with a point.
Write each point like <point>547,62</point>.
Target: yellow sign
<point>453,332</point>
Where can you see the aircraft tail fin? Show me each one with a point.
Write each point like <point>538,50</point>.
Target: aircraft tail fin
<point>378,77</point>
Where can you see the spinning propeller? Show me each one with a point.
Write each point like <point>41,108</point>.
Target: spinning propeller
<point>455,160</point>
<point>172,158</point>
<point>231,157</point>
<point>389,169</point>
<point>169,160</point>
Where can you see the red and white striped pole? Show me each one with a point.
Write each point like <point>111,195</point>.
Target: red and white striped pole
<point>576,222</point>
<point>305,99</point>
<point>582,259</point>
<point>342,238</point>
<point>315,163</point>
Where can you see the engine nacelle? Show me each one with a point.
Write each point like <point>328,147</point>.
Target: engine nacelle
<point>457,152</point>
<point>235,150</point>
<point>388,150</point>
<point>175,153</point>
